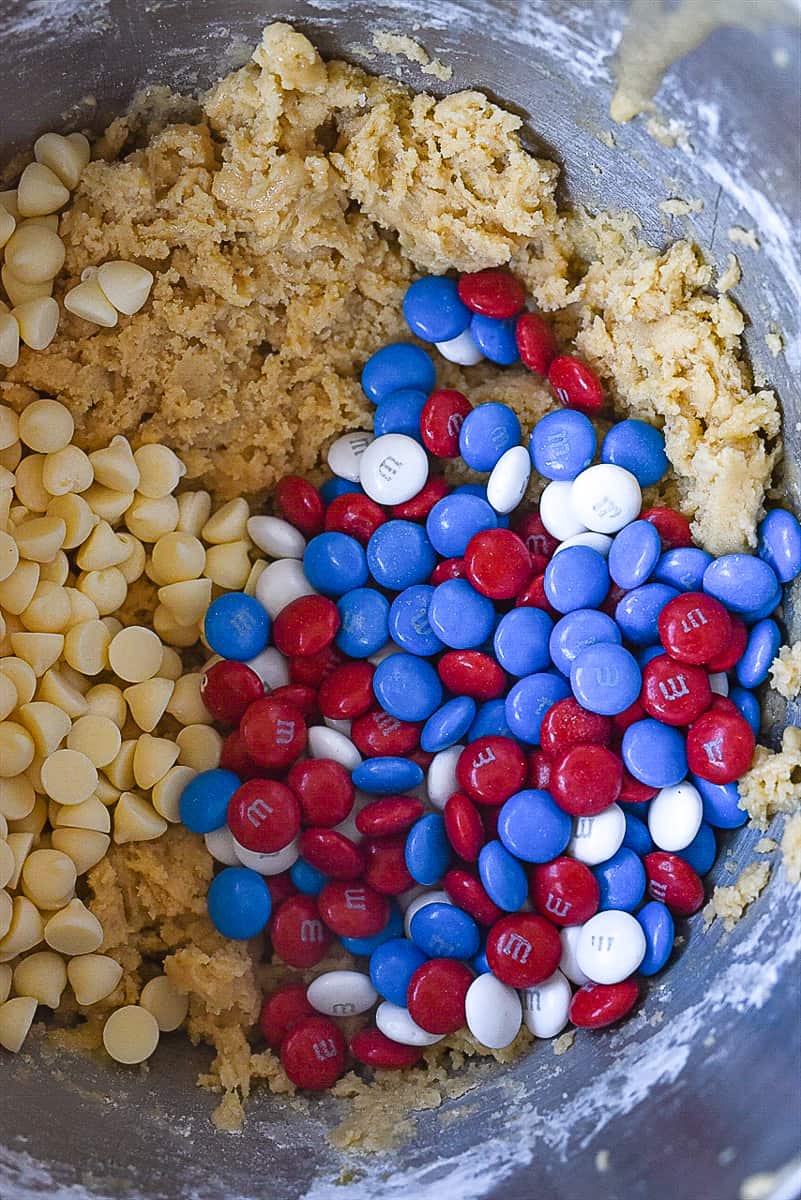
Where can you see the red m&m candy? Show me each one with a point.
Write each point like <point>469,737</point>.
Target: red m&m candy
<point>491,769</point>
<point>634,792</point>
<point>492,292</point>
<point>468,893</point>
<point>297,932</point>
<point>674,882</point>
<point>498,563</point>
<point>301,695</point>
<point>234,757</point>
<point>586,779</point>
<point>332,853</point>
<point>378,734</point>
<point>391,815</point>
<point>441,420</point>
<point>523,949</point>
<point>347,693</point>
<point>228,688</point>
<point>694,627</point>
<point>280,887</point>
<point>375,1049</point>
<point>539,770</point>
<point>274,733</point>
<point>673,692</point>
<point>324,789</point>
<point>354,514</point>
<point>565,891</point>
<point>264,815</point>
<point>533,596</point>
<point>311,669</point>
<point>598,1004</point>
<point>575,384</point>
<point>463,826</point>
<point>306,626</point>
<point>734,648</point>
<point>471,673</point>
<point>353,909</point>
<point>536,342</point>
<point>385,865</point>
<point>539,541</point>
<point>567,724</point>
<point>720,746</point>
<point>418,508</point>
<point>436,995</point>
<point>300,504</point>
<point>449,568</point>
<point>281,1010</point>
<point>672,527</point>
<point>313,1054</point>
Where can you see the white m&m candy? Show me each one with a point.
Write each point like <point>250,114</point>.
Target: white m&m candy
<point>557,513</point>
<point>395,1023</point>
<point>267,864</point>
<point>545,1007</point>
<point>281,583</point>
<point>341,993</point>
<point>344,455</point>
<point>611,946</point>
<point>493,1013</point>
<point>600,542</point>
<point>276,537</point>
<point>441,780</point>
<point>330,743</point>
<point>674,816</point>
<point>508,479</point>
<point>605,498</point>
<point>393,468</point>
<point>595,839</point>
<point>462,350</point>
<point>569,937</point>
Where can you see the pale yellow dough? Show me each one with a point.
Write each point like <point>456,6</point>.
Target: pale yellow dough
<point>283,220</point>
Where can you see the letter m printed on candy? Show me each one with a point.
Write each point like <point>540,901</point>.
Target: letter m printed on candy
<point>312,931</point>
<point>515,946</point>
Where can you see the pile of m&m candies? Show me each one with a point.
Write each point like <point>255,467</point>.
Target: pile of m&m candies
<point>486,747</point>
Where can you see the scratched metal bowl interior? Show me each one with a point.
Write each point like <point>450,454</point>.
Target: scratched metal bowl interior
<point>689,1107</point>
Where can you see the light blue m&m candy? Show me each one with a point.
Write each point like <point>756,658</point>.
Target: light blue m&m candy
<point>495,338</point>
<point>657,924</point>
<point>761,648</point>
<point>203,805</point>
<point>521,641</point>
<point>743,582</point>
<point>634,554</point>
<point>637,613</point>
<point>428,851</point>
<point>455,519</point>
<point>363,615</point>
<point>577,577</point>
<point>503,876</point>
<point>654,753</point>
<point>399,412</point>
<point>460,616</point>
<point>409,626</point>
<point>387,775</point>
<point>621,880</point>
<point>445,931</point>
<point>448,725</point>
<point>392,965</point>
<point>576,631</point>
<point>605,679</point>
<point>433,310</point>
<point>780,544</point>
<point>562,444</point>
<point>532,827</point>
<point>488,432</point>
<point>236,626</point>
<point>334,563</point>
<point>407,687</point>
<point>400,554</point>
<point>639,448</point>
<point>528,701</point>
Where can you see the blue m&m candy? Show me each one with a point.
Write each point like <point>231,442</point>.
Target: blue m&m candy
<point>490,719</point>
<point>748,705</point>
<point>655,753</point>
<point>456,518</point>
<point>532,827</point>
<point>702,850</point>
<point>368,945</point>
<point>334,563</point>
<point>637,837</point>
<point>562,444</point>
<point>433,310</point>
<point>638,447</point>
<point>657,925</point>
<point>503,877</point>
<point>306,878</point>
<point>488,432</point>
<point>521,641</point>
<point>577,577</point>
<point>495,338</point>
<point>444,931</point>
<point>399,554</point>
<point>409,626</point>
<point>399,412</point>
<point>605,678</point>
<point>460,616</point>
<point>428,851</point>
<point>363,615</point>
<point>621,880</point>
<point>576,631</point>
<point>236,626</point>
<point>448,725</point>
<point>528,701</point>
<point>239,903</point>
<point>683,568</point>
<point>779,544</point>
<point>204,801</point>
<point>407,687</point>
<point>634,553</point>
<point>744,583</point>
<point>399,365</point>
<point>387,776</point>
<point>637,613</point>
<point>761,648</point>
<point>392,965</point>
<point>721,803</point>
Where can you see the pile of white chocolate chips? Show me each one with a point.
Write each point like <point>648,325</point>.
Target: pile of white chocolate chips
<point>101,719</point>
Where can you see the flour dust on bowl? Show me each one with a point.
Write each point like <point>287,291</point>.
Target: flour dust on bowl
<point>216,302</point>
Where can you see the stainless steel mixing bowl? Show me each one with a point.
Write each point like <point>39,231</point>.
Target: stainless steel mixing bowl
<point>687,1107</point>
